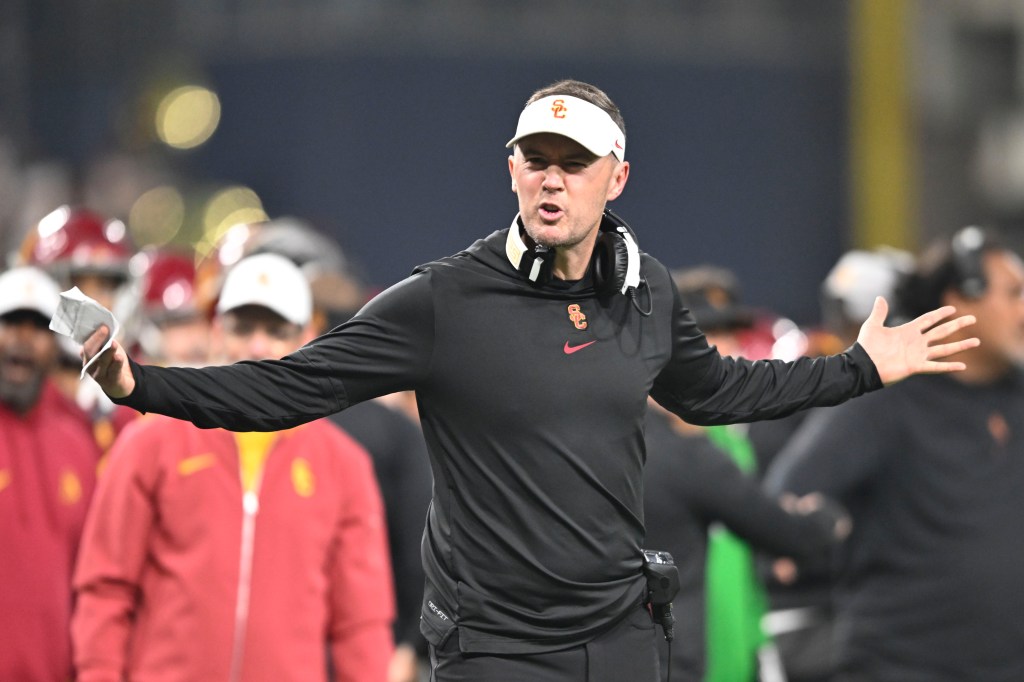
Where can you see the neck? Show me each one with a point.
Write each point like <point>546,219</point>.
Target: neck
<point>571,262</point>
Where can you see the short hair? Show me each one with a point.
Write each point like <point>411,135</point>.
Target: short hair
<point>585,91</point>
<point>940,269</point>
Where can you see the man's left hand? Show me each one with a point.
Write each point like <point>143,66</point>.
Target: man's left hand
<point>914,347</point>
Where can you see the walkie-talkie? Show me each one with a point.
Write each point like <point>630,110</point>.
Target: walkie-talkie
<point>662,586</point>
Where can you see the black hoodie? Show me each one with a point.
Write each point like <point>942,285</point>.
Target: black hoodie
<point>533,401</point>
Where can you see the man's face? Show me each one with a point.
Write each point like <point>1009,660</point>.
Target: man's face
<point>563,188</point>
<point>1000,311</point>
<point>256,333</point>
<point>27,352</point>
<point>185,342</point>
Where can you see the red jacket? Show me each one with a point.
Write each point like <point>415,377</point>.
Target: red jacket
<point>182,577</point>
<point>47,475</point>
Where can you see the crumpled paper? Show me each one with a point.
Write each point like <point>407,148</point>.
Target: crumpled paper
<point>78,316</point>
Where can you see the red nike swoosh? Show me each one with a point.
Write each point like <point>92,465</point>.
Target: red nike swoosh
<point>569,350</point>
<point>617,144</point>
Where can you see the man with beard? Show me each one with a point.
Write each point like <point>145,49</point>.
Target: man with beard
<point>927,587</point>
<point>47,474</point>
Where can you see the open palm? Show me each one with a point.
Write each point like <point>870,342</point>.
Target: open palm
<point>915,347</point>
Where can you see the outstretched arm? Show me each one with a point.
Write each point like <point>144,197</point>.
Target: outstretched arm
<point>915,347</point>
<point>386,347</point>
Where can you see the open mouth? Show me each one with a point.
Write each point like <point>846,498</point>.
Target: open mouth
<point>17,368</point>
<point>550,211</point>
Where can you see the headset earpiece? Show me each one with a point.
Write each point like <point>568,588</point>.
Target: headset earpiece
<point>531,260</point>
<point>616,257</point>
<point>615,263</point>
<point>967,246</point>
<point>611,261</point>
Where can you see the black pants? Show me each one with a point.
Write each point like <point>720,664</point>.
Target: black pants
<point>626,653</point>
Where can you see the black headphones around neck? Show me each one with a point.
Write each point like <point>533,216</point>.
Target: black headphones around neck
<point>615,262</point>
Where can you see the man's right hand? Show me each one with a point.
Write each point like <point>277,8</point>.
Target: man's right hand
<point>111,370</point>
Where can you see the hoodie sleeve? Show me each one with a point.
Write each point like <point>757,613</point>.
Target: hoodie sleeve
<point>385,348</point>
<point>706,388</point>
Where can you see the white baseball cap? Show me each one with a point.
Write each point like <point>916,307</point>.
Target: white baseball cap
<point>860,276</point>
<point>575,118</point>
<point>28,288</point>
<point>271,281</point>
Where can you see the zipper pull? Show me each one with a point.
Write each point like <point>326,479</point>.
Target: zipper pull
<point>250,503</point>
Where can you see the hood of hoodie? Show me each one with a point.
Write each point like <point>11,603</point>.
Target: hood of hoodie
<point>487,257</point>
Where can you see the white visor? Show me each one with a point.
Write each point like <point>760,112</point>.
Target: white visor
<point>577,119</point>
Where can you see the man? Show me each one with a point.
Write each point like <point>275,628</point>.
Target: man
<point>174,329</point>
<point>392,439</point>
<point>47,474</point>
<point>801,620</point>
<point>81,248</point>
<point>931,472</point>
<point>211,555</point>
<point>532,354</point>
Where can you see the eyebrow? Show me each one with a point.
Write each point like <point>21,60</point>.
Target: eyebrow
<point>581,155</point>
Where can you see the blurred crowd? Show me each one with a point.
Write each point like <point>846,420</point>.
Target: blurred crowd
<point>874,541</point>
<point>208,555</point>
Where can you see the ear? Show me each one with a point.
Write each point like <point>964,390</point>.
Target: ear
<point>512,173</point>
<point>618,182</point>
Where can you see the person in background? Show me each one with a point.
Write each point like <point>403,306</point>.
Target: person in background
<point>47,475</point>
<point>928,588</point>
<point>703,509</point>
<point>393,439</point>
<point>704,504</point>
<point>212,555</point>
<point>78,247</point>
<point>800,621</point>
<point>174,328</point>
<point>853,284</point>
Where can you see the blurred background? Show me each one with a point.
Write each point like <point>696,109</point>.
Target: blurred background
<point>767,136</point>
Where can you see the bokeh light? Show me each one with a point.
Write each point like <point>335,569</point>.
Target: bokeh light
<point>53,221</point>
<point>187,116</point>
<point>227,208</point>
<point>156,217</point>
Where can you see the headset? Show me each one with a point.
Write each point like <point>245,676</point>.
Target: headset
<point>615,262</point>
<point>967,247</point>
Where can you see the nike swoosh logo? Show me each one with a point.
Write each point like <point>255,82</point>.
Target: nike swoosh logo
<point>569,350</point>
<point>617,144</point>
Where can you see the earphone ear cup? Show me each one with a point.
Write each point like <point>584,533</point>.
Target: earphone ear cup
<point>611,261</point>
<point>968,261</point>
<point>973,286</point>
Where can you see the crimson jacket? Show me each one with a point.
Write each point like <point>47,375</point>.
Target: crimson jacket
<point>532,399</point>
<point>47,475</point>
<point>181,576</point>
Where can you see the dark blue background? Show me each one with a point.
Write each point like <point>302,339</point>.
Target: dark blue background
<point>402,157</point>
